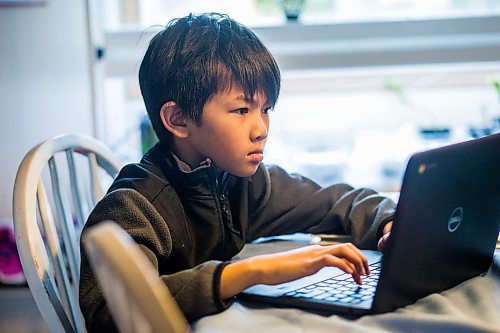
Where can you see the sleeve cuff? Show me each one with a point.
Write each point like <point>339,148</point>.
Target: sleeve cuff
<point>221,304</point>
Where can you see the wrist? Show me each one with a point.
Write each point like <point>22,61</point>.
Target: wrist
<point>387,228</point>
<point>238,276</point>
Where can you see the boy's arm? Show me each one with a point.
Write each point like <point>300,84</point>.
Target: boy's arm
<point>290,265</point>
<point>293,203</point>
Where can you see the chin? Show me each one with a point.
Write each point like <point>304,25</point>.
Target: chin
<point>247,172</point>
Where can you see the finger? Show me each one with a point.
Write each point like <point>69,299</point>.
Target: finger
<point>356,276</point>
<point>366,265</point>
<point>346,266</point>
<point>383,242</point>
<point>341,263</point>
<point>352,254</point>
<point>357,279</point>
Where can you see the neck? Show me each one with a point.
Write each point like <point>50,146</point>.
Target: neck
<point>186,154</point>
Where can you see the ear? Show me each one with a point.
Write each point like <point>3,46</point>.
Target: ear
<point>173,120</point>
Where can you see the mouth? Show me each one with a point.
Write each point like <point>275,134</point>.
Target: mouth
<point>256,156</point>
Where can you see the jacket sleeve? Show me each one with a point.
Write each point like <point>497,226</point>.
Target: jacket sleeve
<point>196,290</point>
<point>282,203</point>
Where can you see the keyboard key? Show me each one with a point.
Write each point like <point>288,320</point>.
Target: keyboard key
<point>322,296</point>
<point>341,287</point>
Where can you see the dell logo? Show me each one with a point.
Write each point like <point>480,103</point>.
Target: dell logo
<point>455,219</point>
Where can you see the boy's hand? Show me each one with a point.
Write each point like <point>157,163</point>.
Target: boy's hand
<point>290,265</point>
<point>286,266</point>
<point>383,240</point>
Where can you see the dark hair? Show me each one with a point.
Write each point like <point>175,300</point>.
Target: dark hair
<point>197,56</point>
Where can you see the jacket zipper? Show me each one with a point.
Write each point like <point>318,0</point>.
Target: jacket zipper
<point>225,204</point>
<point>218,197</point>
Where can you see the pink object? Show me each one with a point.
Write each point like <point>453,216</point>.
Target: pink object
<point>11,271</point>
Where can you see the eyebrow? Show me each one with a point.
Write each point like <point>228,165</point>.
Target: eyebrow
<point>249,100</point>
<point>244,98</point>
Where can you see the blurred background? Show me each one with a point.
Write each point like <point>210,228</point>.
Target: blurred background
<point>365,82</point>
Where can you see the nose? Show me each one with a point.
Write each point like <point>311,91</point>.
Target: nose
<point>260,128</point>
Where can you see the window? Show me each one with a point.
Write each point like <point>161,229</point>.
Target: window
<point>126,14</point>
<point>365,83</point>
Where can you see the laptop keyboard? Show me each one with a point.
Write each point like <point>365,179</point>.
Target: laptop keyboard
<point>341,288</point>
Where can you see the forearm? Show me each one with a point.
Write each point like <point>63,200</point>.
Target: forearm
<point>238,276</point>
<point>290,265</point>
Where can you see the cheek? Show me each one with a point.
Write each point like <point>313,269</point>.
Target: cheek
<point>266,121</point>
<point>216,144</point>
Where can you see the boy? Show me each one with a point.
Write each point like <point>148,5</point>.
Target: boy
<point>201,193</point>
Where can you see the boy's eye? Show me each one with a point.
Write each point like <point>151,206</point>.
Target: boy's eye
<point>267,110</point>
<point>241,111</point>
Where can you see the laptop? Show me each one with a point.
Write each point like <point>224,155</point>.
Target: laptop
<point>445,231</point>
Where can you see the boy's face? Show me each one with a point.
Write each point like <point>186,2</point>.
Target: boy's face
<point>232,134</point>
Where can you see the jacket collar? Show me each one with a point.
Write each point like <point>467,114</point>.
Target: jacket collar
<point>181,175</point>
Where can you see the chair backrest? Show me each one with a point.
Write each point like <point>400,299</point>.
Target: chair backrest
<point>58,182</point>
<point>138,299</point>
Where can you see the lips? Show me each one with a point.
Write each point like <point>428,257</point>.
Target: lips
<point>256,156</point>
<point>258,151</point>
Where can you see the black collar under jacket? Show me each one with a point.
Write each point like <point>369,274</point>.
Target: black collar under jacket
<point>207,217</point>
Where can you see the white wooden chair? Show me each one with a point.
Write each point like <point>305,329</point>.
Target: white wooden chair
<point>57,184</point>
<point>138,299</point>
